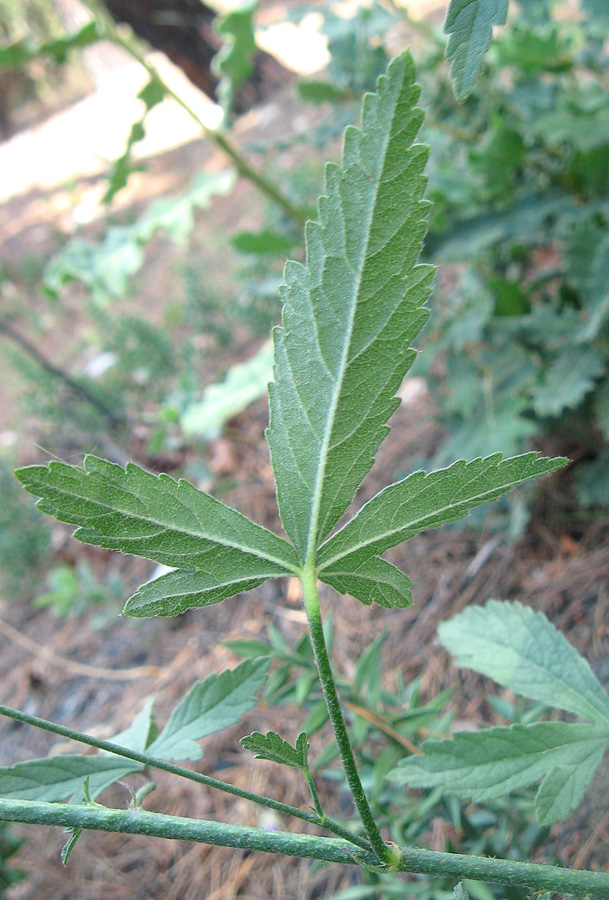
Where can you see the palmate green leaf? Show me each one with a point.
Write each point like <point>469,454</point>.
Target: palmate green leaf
<point>167,521</point>
<point>521,650</point>
<point>350,314</point>
<point>419,502</point>
<point>568,379</point>
<point>208,707</point>
<point>272,747</point>
<point>469,24</point>
<point>485,765</point>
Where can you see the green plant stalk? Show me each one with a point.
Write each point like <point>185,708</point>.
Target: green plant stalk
<point>579,883</point>
<point>206,780</point>
<point>314,795</point>
<point>123,37</point>
<point>324,669</point>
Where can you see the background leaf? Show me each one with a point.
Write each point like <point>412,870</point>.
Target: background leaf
<point>562,790</point>
<point>487,764</point>
<point>521,650</point>
<point>234,61</point>
<point>470,26</point>
<point>327,416</point>
<point>208,707</point>
<point>244,383</point>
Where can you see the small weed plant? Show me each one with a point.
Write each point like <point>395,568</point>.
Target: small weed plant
<point>350,317</point>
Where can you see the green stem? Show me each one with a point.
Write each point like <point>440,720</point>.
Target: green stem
<point>123,37</point>
<point>198,778</point>
<point>404,859</point>
<point>314,795</point>
<point>324,668</point>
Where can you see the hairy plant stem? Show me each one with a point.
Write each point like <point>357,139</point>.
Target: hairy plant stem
<point>206,780</point>
<point>123,37</point>
<point>404,859</point>
<point>324,668</point>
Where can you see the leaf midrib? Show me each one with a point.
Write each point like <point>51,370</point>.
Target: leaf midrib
<point>325,447</point>
<point>155,521</point>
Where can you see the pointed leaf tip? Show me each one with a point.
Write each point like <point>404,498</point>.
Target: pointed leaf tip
<point>359,290</point>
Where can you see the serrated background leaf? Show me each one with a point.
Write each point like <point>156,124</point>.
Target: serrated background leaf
<point>601,407</point>
<point>469,24</point>
<point>592,483</point>
<point>327,415</point>
<point>568,379</point>
<point>423,501</point>
<point>19,53</point>
<point>486,764</point>
<point>107,266</point>
<point>272,747</point>
<point>170,522</point>
<point>563,788</point>
<point>521,650</point>
<point>209,707</point>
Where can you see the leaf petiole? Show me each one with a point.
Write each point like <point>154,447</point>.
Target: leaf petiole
<point>326,677</point>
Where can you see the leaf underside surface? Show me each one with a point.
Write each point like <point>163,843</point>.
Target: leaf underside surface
<point>469,24</point>
<point>350,315</point>
<point>168,521</point>
<point>415,504</point>
<point>61,777</point>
